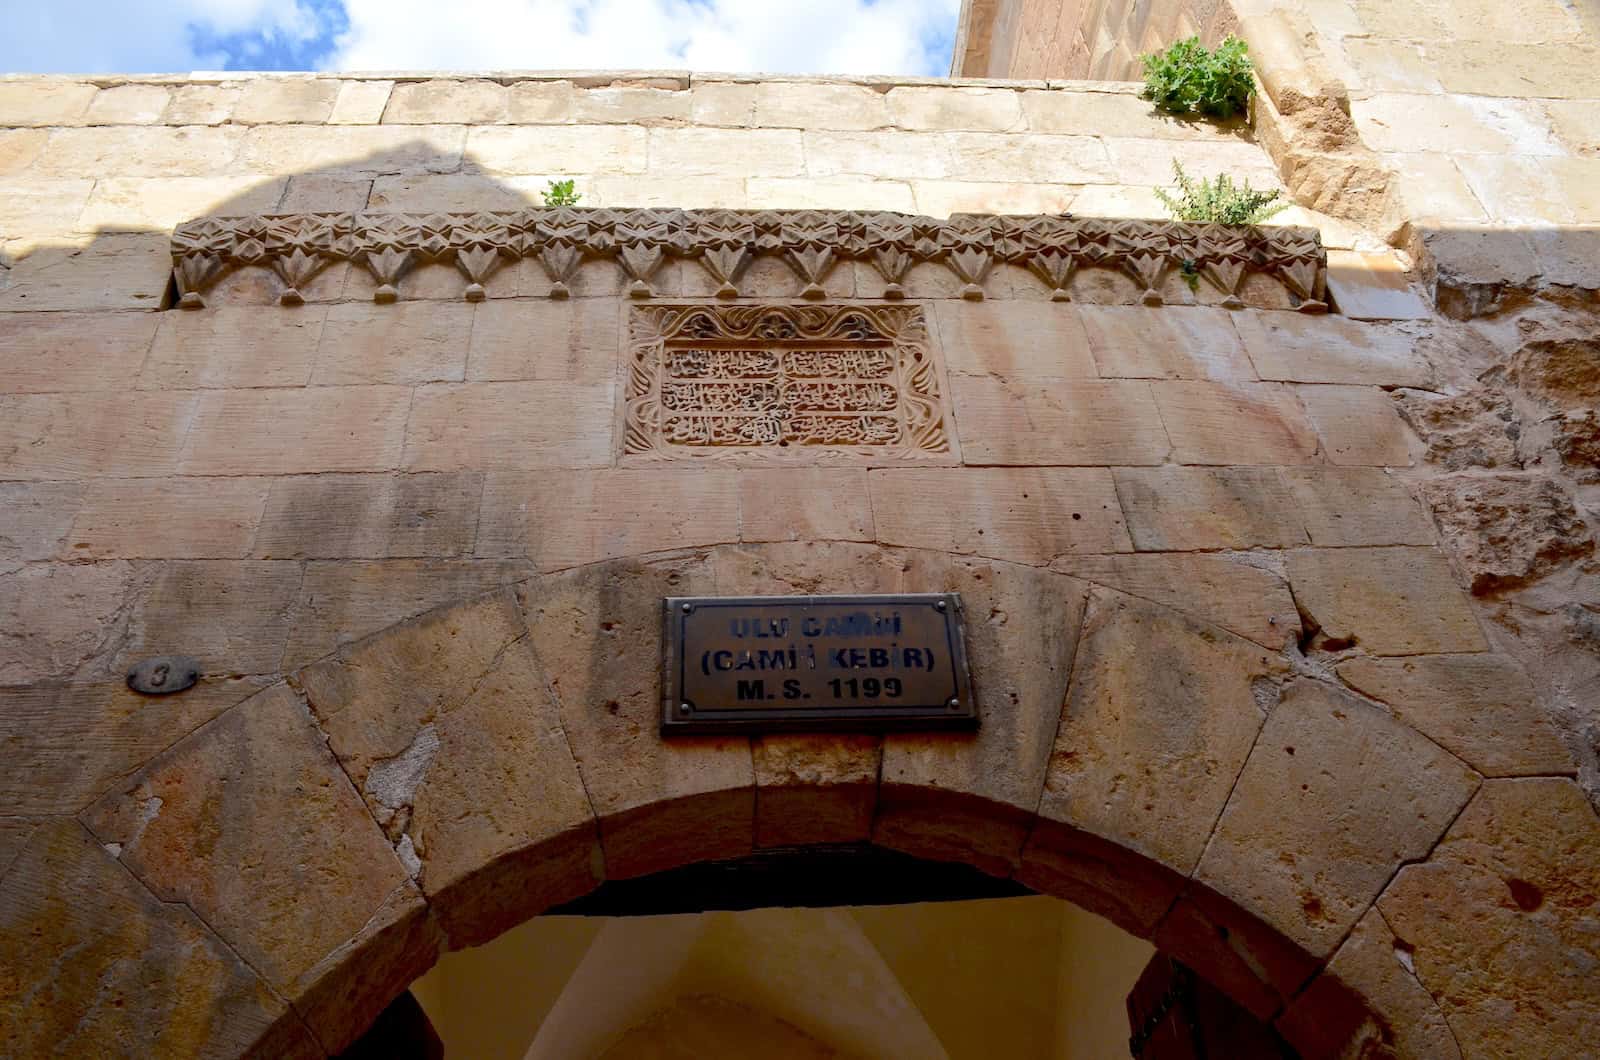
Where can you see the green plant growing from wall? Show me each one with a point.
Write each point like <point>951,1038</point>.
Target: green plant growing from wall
<point>561,193</point>
<point>1189,78</point>
<point>1219,200</point>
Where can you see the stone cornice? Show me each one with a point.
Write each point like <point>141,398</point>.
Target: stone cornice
<point>724,243</point>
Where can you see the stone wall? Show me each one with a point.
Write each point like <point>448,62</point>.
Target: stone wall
<point>1100,39</point>
<point>421,565</point>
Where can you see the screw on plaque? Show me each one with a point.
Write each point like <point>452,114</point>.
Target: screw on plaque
<point>954,704</point>
<point>162,675</point>
<point>687,608</point>
<point>939,605</point>
<point>684,708</point>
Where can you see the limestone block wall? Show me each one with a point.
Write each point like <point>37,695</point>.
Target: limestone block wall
<point>420,564</point>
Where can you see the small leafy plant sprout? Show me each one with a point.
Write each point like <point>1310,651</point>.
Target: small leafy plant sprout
<point>1188,78</point>
<point>1219,200</point>
<point>561,193</point>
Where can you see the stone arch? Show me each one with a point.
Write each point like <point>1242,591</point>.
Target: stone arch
<point>444,779</point>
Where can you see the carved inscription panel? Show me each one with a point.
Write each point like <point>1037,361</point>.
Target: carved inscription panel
<point>783,382</point>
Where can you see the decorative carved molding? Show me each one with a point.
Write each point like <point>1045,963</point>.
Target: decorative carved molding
<point>770,381</point>
<point>725,242</point>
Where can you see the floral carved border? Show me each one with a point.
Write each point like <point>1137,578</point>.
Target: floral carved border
<point>922,435</point>
<point>724,243</point>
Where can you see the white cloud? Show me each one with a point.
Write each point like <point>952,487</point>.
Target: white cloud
<point>139,36</point>
<point>780,36</point>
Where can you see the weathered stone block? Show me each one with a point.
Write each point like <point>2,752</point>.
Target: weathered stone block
<point>1480,708</point>
<point>1146,756</point>
<point>111,272</point>
<point>597,632</point>
<point>1335,797</point>
<point>575,339</point>
<point>1331,1019</point>
<point>135,518</point>
<point>893,155</point>
<point>1373,287</point>
<point>491,426</point>
<point>34,519</point>
<point>286,100</point>
<point>68,436</point>
<point>1564,372</point>
<point>1356,506</point>
<point>1070,422</point>
<point>1239,597</point>
<point>234,346</point>
<point>1478,428</point>
<point>447,103</point>
<point>360,102</point>
<point>565,519</point>
<point>1391,601</point>
<point>201,104</point>
<point>804,504</point>
<point>630,105</point>
<point>352,150</point>
<point>58,615</point>
<point>971,797</point>
<point>42,208</point>
<point>44,102</point>
<point>1500,920</point>
<point>713,152</point>
<point>803,105</point>
<point>555,149</point>
<point>1026,515</point>
<point>1144,162</point>
<point>943,109</point>
<point>53,352</point>
<point>1175,342</point>
<point>1507,530</point>
<point>1179,509</point>
<point>128,105</point>
<point>1358,425</point>
<point>163,203</point>
<point>234,872</point>
<point>19,147</point>
<point>1211,423</point>
<point>541,102</point>
<point>281,432</point>
<point>97,966</point>
<point>409,712</point>
<point>1027,156</point>
<point>815,789</point>
<point>346,600</point>
<point>1329,349</point>
<point>232,616</point>
<point>1015,340</point>
<point>501,822</point>
<point>448,193</point>
<point>68,744</point>
<point>1077,113</point>
<point>158,151</point>
<point>413,342</point>
<point>309,192</point>
<point>370,516</point>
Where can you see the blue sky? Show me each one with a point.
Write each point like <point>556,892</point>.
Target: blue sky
<point>779,36</point>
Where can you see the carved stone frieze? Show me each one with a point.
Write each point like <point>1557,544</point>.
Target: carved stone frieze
<point>776,381</point>
<point>725,242</point>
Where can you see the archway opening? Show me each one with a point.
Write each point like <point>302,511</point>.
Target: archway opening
<point>804,953</point>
